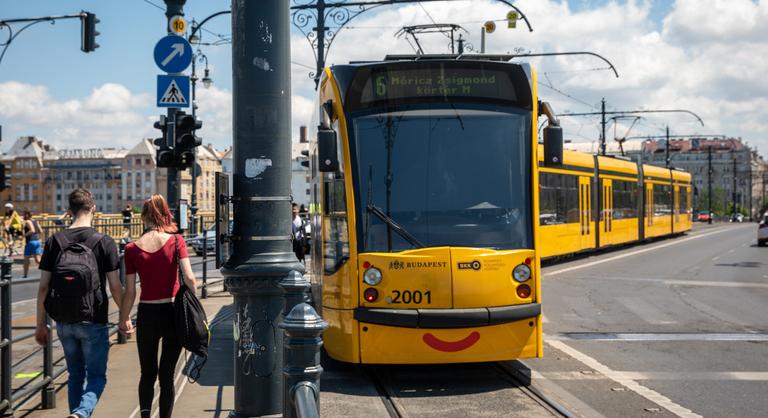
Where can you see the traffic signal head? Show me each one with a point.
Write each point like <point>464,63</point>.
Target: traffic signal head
<point>88,32</point>
<point>186,125</point>
<point>3,180</point>
<point>164,153</point>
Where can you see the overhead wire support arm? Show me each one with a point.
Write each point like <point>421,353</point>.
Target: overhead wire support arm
<point>631,112</point>
<point>549,54</point>
<point>30,21</point>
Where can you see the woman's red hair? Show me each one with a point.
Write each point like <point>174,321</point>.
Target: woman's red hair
<point>156,214</point>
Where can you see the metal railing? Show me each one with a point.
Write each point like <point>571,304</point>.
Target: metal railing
<point>43,381</point>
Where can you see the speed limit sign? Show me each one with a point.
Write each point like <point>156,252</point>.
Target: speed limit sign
<point>178,25</point>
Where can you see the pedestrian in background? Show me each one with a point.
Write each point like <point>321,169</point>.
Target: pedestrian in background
<point>298,234</point>
<point>75,296</point>
<point>32,247</point>
<point>154,258</point>
<point>12,224</point>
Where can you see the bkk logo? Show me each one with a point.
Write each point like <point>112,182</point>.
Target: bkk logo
<point>470,265</point>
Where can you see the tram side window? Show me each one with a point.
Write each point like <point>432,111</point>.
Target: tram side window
<point>624,199</point>
<point>335,227</point>
<point>682,200</point>
<point>558,199</point>
<point>662,199</point>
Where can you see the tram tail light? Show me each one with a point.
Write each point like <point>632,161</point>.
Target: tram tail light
<point>371,294</point>
<point>523,291</point>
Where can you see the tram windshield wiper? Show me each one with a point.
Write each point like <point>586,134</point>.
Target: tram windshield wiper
<point>394,226</point>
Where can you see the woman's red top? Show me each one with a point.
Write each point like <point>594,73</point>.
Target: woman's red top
<point>157,270</point>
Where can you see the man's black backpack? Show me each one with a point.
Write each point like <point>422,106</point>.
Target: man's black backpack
<point>191,322</point>
<point>75,287</point>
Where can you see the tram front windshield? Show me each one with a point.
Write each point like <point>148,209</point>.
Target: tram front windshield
<point>447,176</point>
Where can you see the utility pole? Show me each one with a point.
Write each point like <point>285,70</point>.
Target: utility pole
<point>262,254</point>
<point>709,185</point>
<point>602,124</point>
<point>733,190</point>
<point>173,8</point>
<point>666,147</point>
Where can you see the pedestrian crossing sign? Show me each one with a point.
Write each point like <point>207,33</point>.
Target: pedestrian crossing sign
<point>172,91</point>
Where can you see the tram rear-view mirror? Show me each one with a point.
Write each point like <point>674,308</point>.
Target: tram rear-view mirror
<point>327,155</point>
<point>553,145</point>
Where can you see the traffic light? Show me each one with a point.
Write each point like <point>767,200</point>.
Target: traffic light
<point>164,154</point>
<point>88,32</point>
<point>186,140</point>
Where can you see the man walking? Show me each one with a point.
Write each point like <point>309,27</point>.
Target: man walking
<point>76,265</point>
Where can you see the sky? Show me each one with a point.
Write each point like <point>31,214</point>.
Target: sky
<point>706,56</point>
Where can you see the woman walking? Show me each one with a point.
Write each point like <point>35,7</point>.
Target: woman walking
<point>153,257</point>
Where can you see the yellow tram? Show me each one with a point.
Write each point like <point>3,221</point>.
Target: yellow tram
<point>426,241</point>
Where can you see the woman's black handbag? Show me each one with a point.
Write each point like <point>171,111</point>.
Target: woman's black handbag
<point>190,320</point>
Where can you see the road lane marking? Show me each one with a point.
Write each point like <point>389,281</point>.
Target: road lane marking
<point>715,258</point>
<point>624,380</point>
<point>663,336</point>
<point>691,283</point>
<point>679,376</point>
<point>636,252</point>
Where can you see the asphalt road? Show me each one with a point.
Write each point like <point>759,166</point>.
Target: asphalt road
<point>676,327</point>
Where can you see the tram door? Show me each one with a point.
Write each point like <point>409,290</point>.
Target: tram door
<point>676,207</point>
<point>648,206</point>
<point>606,214</point>
<point>585,212</point>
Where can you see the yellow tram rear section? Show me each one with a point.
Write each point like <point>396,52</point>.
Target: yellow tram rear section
<point>593,202</point>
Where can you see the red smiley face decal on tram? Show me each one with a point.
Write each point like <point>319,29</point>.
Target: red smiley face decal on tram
<point>451,346</point>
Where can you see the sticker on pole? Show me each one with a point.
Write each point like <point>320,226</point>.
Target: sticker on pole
<point>178,25</point>
<point>173,54</point>
<point>172,91</point>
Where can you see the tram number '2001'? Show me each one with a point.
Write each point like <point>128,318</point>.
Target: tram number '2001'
<point>410,296</point>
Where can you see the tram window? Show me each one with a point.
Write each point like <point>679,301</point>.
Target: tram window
<point>662,199</point>
<point>624,199</point>
<point>335,228</point>
<point>682,200</point>
<point>558,198</point>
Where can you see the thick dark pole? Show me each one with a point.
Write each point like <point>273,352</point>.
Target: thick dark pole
<point>602,124</point>
<point>709,185</point>
<point>320,31</point>
<point>262,253</point>
<point>6,390</point>
<point>172,8</point>
<point>48,392</point>
<point>666,147</point>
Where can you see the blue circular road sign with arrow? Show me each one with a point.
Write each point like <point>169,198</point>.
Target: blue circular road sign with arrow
<point>173,54</point>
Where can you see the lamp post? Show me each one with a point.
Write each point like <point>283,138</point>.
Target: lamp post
<point>207,81</point>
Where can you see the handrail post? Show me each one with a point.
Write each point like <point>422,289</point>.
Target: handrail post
<point>48,392</point>
<point>6,391</point>
<point>122,338</point>
<point>204,292</point>
<point>302,341</point>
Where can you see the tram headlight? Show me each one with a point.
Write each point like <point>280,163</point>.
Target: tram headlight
<point>521,273</point>
<point>372,276</point>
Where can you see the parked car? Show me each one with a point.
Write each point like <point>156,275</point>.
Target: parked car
<point>208,237</point>
<point>704,216</point>
<point>762,231</point>
<point>737,217</point>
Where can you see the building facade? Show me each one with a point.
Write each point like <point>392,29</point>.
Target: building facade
<point>41,178</point>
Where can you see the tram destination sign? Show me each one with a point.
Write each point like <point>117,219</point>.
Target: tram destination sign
<point>474,82</point>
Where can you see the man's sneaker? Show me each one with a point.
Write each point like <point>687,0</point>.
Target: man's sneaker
<point>74,416</point>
